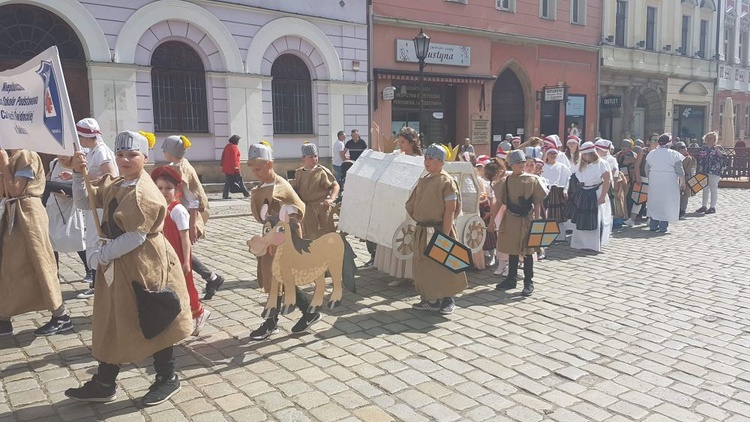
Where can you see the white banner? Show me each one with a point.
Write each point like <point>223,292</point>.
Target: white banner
<point>35,111</point>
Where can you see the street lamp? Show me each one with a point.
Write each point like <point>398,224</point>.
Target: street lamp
<point>421,46</point>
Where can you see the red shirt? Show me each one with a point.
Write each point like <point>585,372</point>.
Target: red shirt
<point>230,159</point>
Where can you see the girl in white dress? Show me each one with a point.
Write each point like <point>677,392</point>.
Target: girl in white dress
<point>590,209</point>
<point>66,222</point>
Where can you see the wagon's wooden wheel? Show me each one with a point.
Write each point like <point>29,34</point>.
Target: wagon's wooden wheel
<point>403,240</point>
<point>474,234</point>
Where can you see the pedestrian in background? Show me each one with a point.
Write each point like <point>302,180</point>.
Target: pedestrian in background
<point>355,146</point>
<point>666,179</point>
<point>710,161</point>
<point>230,166</point>
<point>338,156</point>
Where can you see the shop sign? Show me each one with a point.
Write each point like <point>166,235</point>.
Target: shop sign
<point>480,128</point>
<point>407,96</point>
<point>612,101</point>
<point>576,105</point>
<point>444,54</point>
<point>554,94</point>
<point>389,93</point>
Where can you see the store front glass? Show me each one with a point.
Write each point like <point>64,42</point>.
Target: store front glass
<point>439,111</point>
<point>689,122</point>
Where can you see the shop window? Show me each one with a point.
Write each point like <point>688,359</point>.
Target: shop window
<point>547,9</point>
<point>178,89</point>
<point>650,27</point>
<point>506,5</point>
<point>621,21</point>
<point>291,92</point>
<point>578,12</point>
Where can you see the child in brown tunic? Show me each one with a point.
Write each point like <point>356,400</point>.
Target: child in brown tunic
<point>268,199</point>
<point>195,200</point>
<point>28,275</point>
<point>522,194</point>
<point>141,303</point>
<point>434,204</point>
<point>318,189</point>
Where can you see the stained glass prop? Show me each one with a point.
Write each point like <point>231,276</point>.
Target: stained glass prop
<point>543,233</point>
<point>447,252</point>
<point>640,193</point>
<point>698,182</point>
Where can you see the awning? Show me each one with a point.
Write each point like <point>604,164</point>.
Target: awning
<point>413,75</point>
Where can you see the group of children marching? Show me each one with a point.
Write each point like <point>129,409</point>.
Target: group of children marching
<point>140,229</point>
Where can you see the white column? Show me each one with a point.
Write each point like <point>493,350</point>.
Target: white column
<point>114,102</point>
<point>736,49</point>
<point>695,36</point>
<point>245,109</point>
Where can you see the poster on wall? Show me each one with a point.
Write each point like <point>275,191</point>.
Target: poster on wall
<point>480,128</point>
<point>35,112</point>
<point>575,116</point>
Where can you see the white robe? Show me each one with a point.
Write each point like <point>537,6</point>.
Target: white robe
<point>557,175</point>
<point>664,184</point>
<point>594,239</point>
<point>65,220</point>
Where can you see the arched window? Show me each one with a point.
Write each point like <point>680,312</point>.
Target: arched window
<point>26,31</point>
<point>178,89</point>
<point>291,90</point>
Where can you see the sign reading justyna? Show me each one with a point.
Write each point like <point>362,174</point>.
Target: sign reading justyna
<point>445,54</point>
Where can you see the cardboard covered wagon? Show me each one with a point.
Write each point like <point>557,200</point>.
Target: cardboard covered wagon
<point>377,188</point>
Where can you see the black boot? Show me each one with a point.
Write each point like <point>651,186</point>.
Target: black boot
<point>511,281</point>
<point>528,275</point>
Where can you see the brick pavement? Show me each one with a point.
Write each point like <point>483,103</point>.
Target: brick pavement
<point>654,329</point>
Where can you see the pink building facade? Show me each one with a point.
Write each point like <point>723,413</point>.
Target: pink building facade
<point>495,67</point>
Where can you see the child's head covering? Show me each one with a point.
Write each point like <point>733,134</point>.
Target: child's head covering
<point>639,143</point>
<point>166,172</point>
<point>603,144</point>
<point>89,128</point>
<point>588,147</point>
<point>309,149</point>
<point>680,145</point>
<point>436,151</point>
<point>572,139</point>
<point>516,156</point>
<point>538,161</point>
<point>260,152</point>
<point>626,143</point>
<point>553,151</point>
<point>176,145</point>
<point>134,141</point>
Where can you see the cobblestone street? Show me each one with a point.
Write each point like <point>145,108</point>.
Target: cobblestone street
<point>656,328</point>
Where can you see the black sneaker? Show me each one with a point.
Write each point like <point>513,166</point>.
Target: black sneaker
<point>507,284</point>
<point>93,391</point>
<point>426,305</point>
<point>86,294</point>
<point>528,288</point>
<point>369,263</point>
<point>212,286</point>
<point>161,391</point>
<point>268,328</point>
<point>54,326</point>
<point>305,322</point>
<point>6,328</point>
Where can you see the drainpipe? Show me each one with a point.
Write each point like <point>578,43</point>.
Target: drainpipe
<point>598,91</point>
<point>718,61</point>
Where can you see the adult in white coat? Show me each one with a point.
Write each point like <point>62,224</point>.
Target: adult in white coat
<point>666,180</point>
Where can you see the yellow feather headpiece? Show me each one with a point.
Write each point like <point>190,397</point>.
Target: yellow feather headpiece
<point>185,141</point>
<point>150,137</point>
<point>266,143</point>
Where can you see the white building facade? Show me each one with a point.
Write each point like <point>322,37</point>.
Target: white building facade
<point>659,67</point>
<point>734,67</point>
<point>285,71</point>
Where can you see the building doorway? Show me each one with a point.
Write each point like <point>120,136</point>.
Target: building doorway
<point>550,118</point>
<point>508,107</point>
<point>652,111</point>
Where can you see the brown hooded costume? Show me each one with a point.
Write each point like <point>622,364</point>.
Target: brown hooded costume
<point>117,334</point>
<point>28,275</point>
